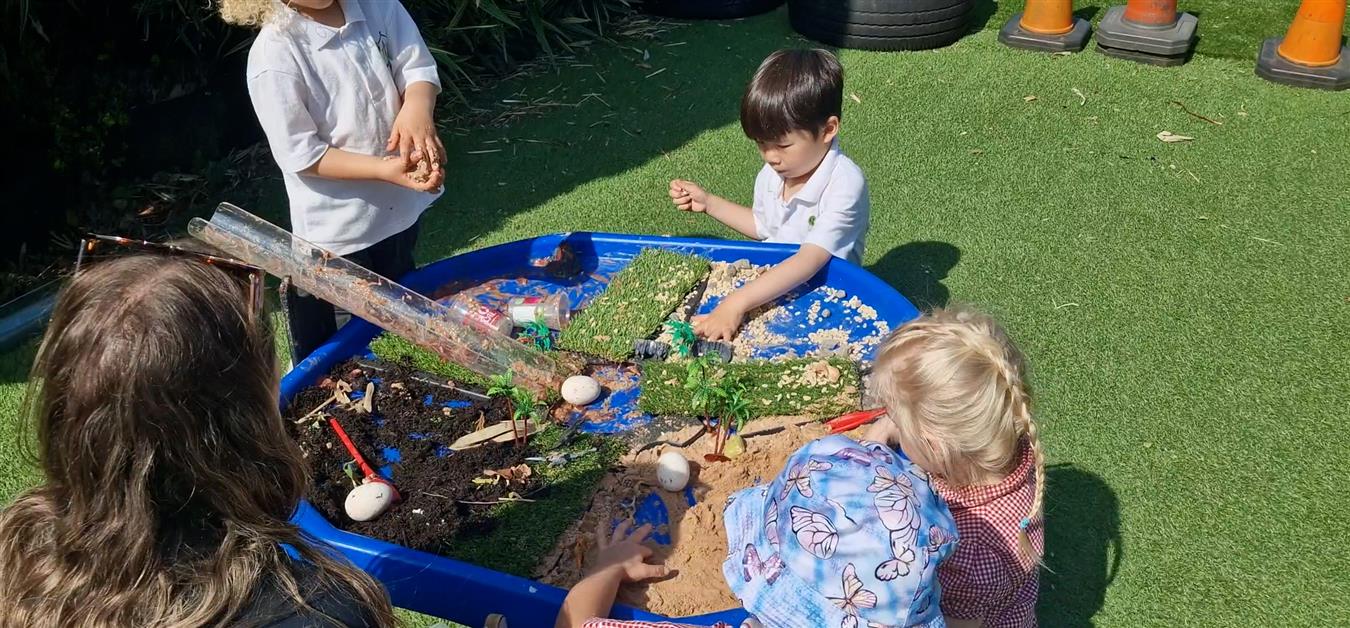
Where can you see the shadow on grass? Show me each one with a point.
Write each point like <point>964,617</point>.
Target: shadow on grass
<point>1083,546</point>
<point>602,114</point>
<point>917,269</point>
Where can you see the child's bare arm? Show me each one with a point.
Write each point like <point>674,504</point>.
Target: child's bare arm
<point>622,559</point>
<point>340,164</point>
<point>723,322</point>
<point>689,196</point>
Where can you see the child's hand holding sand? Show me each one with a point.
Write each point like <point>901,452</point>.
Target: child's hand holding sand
<point>416,172</point>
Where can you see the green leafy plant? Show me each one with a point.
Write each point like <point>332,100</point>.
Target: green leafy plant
<point>539,335</point>
<point>682,338</point>
<point>349,469</point>
<point>524,405</point>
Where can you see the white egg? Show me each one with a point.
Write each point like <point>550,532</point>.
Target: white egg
<point>672,471</point>
<point>580,390</point>
<point>368,501</point>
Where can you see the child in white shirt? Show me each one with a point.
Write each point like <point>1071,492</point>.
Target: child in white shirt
<point>808,192</point>
<point>345,91</point>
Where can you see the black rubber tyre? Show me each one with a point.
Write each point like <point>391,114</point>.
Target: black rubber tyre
<point>841,12</point>
<point>882,24</point>
<point>709,9</point>
<point>959,22</point>
<point>886,6</point>
<point>864,42</point>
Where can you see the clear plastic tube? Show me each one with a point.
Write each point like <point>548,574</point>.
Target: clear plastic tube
<point>381,301</point>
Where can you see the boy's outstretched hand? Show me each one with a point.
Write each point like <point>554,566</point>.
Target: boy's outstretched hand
<point>688,196</point>
<point>625,556</point>
<point>720,324</point>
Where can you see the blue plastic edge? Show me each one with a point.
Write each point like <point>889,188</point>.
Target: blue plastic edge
<point>462,592</point>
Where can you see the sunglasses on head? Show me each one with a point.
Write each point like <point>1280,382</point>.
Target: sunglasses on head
<point>95,248</point>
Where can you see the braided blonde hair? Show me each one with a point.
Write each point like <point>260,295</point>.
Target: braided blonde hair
<point>953,385</point>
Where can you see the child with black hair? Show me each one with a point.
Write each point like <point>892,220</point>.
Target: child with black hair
<point>808,192</point>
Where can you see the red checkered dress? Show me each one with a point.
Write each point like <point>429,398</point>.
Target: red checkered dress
<point>614,623</point>
<point>987,577</point>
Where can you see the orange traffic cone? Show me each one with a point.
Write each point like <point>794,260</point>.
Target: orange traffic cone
<point>1155,13</point>
<point>1048,17</point>
<point>1310,54</point>
<point>1147,31</point>
<point>1047,25</point>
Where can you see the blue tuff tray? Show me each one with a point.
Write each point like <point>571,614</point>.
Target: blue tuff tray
<point>467,594</point>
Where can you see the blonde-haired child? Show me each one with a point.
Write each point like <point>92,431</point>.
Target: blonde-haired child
<point>345,91</point>
<point>954,388</point>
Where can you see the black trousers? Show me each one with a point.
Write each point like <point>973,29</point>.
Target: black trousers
<point>313,321</point>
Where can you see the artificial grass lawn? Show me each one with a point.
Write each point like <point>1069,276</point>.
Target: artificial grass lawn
<point>1183,306</point>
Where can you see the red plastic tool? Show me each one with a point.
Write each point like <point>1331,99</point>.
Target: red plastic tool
<point>846,422</point>
<point>366,469</point>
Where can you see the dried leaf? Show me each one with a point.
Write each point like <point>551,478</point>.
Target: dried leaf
<point>1079,94</point>
<point>340,391</point>
<point>367,403</point>
<point>1028,98</point>
<point>1172,138</point>
<point>855,98</point>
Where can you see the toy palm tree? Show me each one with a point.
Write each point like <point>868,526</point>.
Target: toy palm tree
<point>539,335</point>
<point>682,337</point>
<point>522,403</point>
<point>735,408</point>
<point>704,394</point>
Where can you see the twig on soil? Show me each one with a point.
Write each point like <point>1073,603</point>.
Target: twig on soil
<point>501,500</point>
<point>1196,115</point>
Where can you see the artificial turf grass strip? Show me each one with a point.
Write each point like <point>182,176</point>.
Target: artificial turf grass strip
<point>638,299</point>
<point>772,388</point>
<point>523,533</point>
<point>397,350</point>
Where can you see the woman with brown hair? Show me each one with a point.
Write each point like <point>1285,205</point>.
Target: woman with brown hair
<point>169,477</point>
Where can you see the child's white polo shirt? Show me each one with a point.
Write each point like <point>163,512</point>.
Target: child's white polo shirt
<point>313,87</point>
<point>831,211</point>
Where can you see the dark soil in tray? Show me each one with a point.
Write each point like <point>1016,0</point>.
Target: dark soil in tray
<point>419,420</point>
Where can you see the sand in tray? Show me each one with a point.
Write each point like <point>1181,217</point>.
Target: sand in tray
<point>698,538</point>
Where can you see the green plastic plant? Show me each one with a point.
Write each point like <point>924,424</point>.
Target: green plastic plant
<point>682,337</point>
<point>349,469</point>
<point>524,405</point>
<point>539,335</point>
<point>735,409</point>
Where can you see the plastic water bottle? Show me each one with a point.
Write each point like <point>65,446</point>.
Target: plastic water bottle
<point>553,310</point>
<point>478,316</point>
